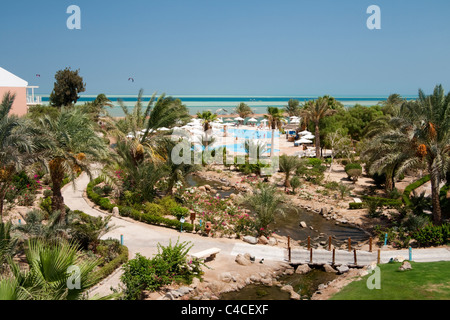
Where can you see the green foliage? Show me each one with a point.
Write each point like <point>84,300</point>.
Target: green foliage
<point>413,186</point>
<point>7,243</point>
<point>356,205</point>
<point>170,265</point>
<point>314,162</point>
<point>154,209</point>
<point>167,203</point>
<point>295,183</point>
<point>353,170</point>
<point>179,212</point>
<point>67,87</point>
<point>432,235</point>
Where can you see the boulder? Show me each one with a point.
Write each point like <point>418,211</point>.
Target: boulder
<point>272,241</point>
<point>287,288</point>
<point>302,269</point>
<point>405,266</point>
<point>399,259</point>
<point>295,295</point>
<point>250,239</point>
<point>226,277</point>
<point>263,240</point>
<point>342,269</point>
<point>329,268</point>
<point>240,259</point>
<point>207,187</point>
<point>201,189</point>
<point>303,224</point>
<point>115,211</point>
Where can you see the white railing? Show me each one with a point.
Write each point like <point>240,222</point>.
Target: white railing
<point>33,100</point>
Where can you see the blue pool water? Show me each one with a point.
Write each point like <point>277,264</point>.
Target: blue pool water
<point>252,134</point>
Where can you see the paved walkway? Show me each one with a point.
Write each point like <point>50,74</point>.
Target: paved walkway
<point>143,238</point>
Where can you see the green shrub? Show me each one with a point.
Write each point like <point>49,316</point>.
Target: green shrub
<point>167,203</point>
<point>153,209</point>
<point>356,205</point>
<point>46,205</point>
<point>179,212</point>
<point>432,235</point>
<point>413,186</point>
<point>314,162</point>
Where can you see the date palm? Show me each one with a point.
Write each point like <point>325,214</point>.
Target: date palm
<point>207,117</point>
<point>243,110</point>
<point>316,110</point>
<point>275,118</point>
<point>426,123</point>
<point>73,146</point>
<point>293,108</point>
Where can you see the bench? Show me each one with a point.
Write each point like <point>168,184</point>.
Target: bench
<point>357,200</point>
<point>209,254</point>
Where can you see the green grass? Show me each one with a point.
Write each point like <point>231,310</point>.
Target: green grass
<point>426,281</point>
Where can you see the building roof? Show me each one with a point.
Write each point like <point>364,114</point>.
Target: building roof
<point>7,79</point>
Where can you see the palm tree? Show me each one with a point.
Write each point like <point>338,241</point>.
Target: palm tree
<point>7,243</point>
<point>275,118</point>
<point>73,146</point>
<point>427,123</point>
<point>57,272</point>
<point>315,111</point>
<point>243,110</point>
<point>287,165</point>
<point>207,117</point>
<point>267,202</point>
<point>293,108</point>
<point>17,145</point>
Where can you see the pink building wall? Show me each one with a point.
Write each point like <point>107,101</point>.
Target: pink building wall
<point>19,106</point>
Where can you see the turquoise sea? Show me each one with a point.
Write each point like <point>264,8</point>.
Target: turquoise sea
<point>225,104</point>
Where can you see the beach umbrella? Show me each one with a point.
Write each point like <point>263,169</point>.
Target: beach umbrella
<point>303,140</point>
<point>252,120</point>
<point>163,129</point>
<point>304,133</point>
<point>309,136</point>
<point>295,120</point>
<point>264,120</point>
<point>229,119</point>
<point>238,119</point>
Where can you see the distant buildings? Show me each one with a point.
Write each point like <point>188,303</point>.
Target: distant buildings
<point>24,93</point>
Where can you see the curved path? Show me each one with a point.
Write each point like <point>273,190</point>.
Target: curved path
<point>144,238</point>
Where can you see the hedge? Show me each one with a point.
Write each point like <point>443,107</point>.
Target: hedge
<point>387,202</point>
<point>356,205</point>
<point>412,187</point>
<point>109,268</point>
<point>126,211</point>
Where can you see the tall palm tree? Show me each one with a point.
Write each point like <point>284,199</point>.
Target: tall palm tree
<point>243,110</point>
<point>275,118</point>
<point>315,111</point>
<point>73,146</point>
<point>293,108</point>
<point>207,117</point>
<point>17,145</point>
<point>427,123</point>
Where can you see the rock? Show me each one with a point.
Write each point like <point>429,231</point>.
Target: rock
<point>267,282</point>
<point>342,269</point>
<point>240,259</point>
<point>303,224</point>
<point>302,269</point>
<point>287,288</point>
<point>226,277</point>
<point>324,211</point>
<point>201,188</point>
<point>254,278</point>
<point>289,271</point>
<point>322,286</point>
<point>115,211</point>
<point>273,241</point>
<point>263,240</point>
<point>195,283</point>
<point>329,268</point>
<point>250,239</point>
<point>405,266</point>
<point>399,259</point>
<point>295,296</point>
<point>184,290</point>
<point>207,187</point>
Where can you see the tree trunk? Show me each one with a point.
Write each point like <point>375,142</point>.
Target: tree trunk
<point>437,214</point>
<point>272,142</point>
<point>287,182</point>
<point>317,134</point>
<point>389,182</point>
<point>57,176</point>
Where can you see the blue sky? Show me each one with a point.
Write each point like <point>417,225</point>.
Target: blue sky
<point>255,47</point>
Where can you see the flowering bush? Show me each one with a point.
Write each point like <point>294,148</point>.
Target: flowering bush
<point>225,217</point>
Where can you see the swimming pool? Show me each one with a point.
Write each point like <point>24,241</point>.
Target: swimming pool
<point>251,134</point>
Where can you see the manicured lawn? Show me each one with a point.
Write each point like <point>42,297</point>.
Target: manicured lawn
<point>426,281</point>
